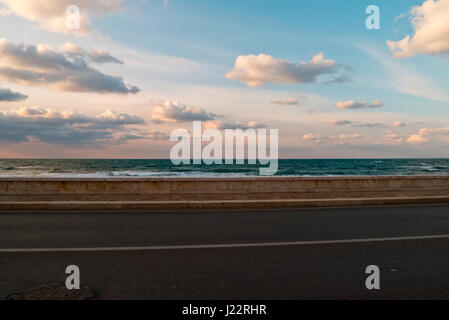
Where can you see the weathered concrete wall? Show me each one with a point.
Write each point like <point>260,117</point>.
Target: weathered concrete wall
<point>17,186</point>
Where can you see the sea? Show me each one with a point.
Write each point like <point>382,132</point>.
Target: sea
<point>102,168</point>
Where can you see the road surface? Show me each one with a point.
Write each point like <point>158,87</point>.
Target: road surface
<point>252,254</point>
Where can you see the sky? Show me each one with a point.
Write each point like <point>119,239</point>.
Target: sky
<point>135,70</point>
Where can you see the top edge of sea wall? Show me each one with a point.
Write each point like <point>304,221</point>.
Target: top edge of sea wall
<point>249,178</point>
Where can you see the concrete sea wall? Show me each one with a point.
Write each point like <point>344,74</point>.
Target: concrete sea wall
<point>218,193</point>
<point>59,186</point>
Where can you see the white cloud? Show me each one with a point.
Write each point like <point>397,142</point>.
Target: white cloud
<point>51,14</point>
<point>431,31</point>
<point>41,65</point>
<point>256,70</point>
<point>351,104</point>
<point>173,111</point>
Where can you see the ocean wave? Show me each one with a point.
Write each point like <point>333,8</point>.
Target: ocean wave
<point>164,168</point>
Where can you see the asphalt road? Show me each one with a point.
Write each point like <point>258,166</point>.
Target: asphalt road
<point>257,254</point>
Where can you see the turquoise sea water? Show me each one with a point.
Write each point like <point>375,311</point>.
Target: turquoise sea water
<point>164,168</point>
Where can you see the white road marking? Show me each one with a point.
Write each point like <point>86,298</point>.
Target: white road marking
<point>220,246</point>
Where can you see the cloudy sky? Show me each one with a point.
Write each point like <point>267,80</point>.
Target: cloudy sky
<point>135,70</point>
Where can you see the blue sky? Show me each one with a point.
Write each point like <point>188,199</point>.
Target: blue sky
<point>181,54</point>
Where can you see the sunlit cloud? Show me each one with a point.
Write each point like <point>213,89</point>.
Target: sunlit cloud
<point>221,125</point>
<point>314,137</point>
<point>318,138</point>
<point>431,31</point>
<point>351,104</point>
<point>51,14</point>
<point>427,132</point>
<point>398,124</point>
<point>256,70</point>
<point>417,138</point>
<point>172,111</point>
